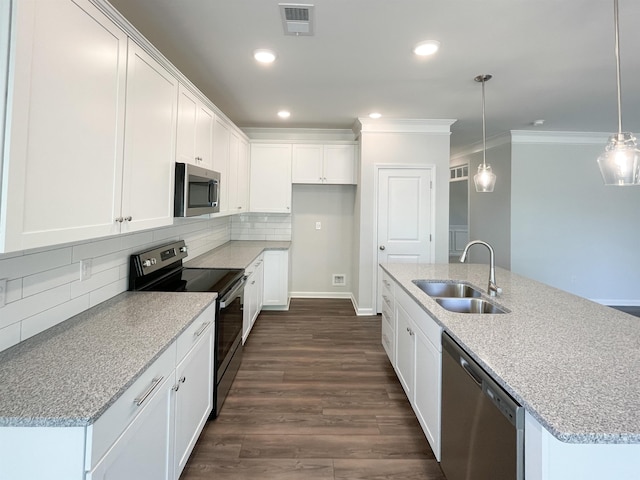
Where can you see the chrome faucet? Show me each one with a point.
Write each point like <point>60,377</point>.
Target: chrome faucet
<point>492,289</point>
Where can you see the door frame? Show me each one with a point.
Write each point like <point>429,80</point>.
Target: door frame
<point>432,247</point>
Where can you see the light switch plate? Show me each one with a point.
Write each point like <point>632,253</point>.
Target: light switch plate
<point>85,269</point>
<point>3,292</point>
<point>318,225</point>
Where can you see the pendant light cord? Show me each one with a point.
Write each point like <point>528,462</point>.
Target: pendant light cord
<point>615,14</point>
<point>484,132</point>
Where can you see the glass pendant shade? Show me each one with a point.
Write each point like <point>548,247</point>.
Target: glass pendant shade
<point>485,179</point>
<point>620,162</point>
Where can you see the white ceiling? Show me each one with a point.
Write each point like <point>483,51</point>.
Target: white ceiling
<point>550,59</point>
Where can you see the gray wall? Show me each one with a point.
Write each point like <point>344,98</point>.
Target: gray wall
<point>317,254</point>
<point>568,229</point>
<point>458,203</point>
<point>490,213</point>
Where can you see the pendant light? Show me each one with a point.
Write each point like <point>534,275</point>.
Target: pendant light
<point>619,164</point>
<point>485,179</point>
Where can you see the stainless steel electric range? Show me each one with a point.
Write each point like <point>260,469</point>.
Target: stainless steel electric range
<point>161,269</point>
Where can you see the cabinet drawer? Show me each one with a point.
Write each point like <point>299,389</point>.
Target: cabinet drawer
<point>421,318</point>
<point>195,331</point>
<point>387,285</point>
<point>110,425</point>
<point>253,266</point>
<point>387,340</point>
<point>387,315</point>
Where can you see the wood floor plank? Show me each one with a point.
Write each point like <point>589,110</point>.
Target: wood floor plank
<point>315,399</point>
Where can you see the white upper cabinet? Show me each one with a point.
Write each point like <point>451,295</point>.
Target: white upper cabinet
<point>150,139</point>
<point>62,172</point>
<point>221,152</point>
<point>330,164</point>
<point>195,130</point>
<point>238,183</point>
<point>270,186</point>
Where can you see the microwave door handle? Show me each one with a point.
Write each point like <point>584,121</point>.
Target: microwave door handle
<point>211,192</point>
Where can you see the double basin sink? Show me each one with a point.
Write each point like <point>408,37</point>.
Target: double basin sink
<point>458,297</point>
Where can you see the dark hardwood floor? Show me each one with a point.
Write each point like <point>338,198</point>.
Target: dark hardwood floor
<point>316,399</point>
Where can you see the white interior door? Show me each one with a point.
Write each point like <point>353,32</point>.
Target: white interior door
<point>404,217</point>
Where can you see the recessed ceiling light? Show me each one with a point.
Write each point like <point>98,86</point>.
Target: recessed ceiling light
<point>264,56</point>
<point>284,114</point>
<point>426,48</point>
<point>375,115</point>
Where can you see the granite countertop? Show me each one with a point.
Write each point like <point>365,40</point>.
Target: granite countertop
<point>235,254</point>
<point>572,363</point>
<point>71,373</point>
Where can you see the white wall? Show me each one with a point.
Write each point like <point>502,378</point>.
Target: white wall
<point>44,286</point>
<point>418,142</point>
<point>568,229</point>
<point>320,253</point>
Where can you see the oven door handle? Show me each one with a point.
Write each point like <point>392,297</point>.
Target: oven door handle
<point>232,293</point>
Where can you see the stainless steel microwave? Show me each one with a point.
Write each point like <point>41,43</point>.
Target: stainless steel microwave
<point>197,191</point>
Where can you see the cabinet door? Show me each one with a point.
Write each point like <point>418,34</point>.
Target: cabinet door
<point>270,186</point>
<point>339,164</point>
<point>204,136</point>
<point>150,134</point>
<point>62,178</point>
<point>427,389</point>
<point>405,346</point>
<point>250,306</point>
<point>276,278</point>
<point>306,166</point>
<point>221,153</point>
<point>243,176</point>
<point>260,289</point>
<point>234,172</point>
<point>193,398</point>
<point>143,451</point>
<point>187,115</point>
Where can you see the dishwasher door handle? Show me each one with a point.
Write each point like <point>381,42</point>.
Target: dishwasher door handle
<point>467,368</point>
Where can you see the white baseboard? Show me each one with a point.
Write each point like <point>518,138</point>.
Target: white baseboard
<point>361,312</point>
<point>320,295</point>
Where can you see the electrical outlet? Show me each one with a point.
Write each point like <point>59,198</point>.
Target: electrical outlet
<point>318,225</point>
<point>3,292</point>
<point>85,269</point>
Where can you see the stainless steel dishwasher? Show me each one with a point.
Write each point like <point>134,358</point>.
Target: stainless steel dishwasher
<point>482,426</point>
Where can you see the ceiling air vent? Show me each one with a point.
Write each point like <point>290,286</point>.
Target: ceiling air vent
<point>297,19</point>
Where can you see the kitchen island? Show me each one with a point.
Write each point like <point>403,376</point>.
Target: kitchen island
<point>572,364</point>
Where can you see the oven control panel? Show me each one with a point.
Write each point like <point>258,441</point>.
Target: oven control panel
<point>149,261</point>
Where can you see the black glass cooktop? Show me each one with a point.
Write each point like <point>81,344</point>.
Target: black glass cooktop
<point>198,280</point>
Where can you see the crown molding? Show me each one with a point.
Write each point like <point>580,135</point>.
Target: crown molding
<point>300,134</point>
<point>407,125</point>
<point>492,142</point>
<point>576,138</point>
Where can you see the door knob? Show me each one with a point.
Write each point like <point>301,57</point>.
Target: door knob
<point>382,247</point>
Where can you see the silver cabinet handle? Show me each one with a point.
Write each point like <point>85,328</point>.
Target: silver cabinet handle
<point>119,219</point>
<point>202,329</point>
<point>128,219</point>
<point>387,284</point>
<point>253,283</point>
<point>183,379</point>
<point>382,247</point>
<point>140,400</point>
<point>410,331</point>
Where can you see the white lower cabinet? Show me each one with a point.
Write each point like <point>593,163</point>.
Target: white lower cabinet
<point>418,363</point>
<point>193,392</point>
<point>147,433</point>
<point>276,279</point>
<point>253,295</point>
<point>143,451</point>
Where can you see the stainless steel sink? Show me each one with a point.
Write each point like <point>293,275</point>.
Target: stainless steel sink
<point>469,305</point>
<point>447,289</point>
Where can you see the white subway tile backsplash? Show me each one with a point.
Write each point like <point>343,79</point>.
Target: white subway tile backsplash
<point>30,264</point>
<point>107,291</point>
<point>48,279</point>
<point>260,226</point>
<point>14,291</point>
<point>29,306</point>
<point>40,322</point>
<point>9,336</point>
<point>44,285</point>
